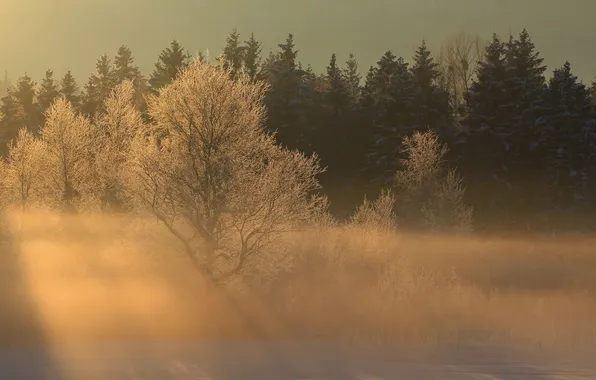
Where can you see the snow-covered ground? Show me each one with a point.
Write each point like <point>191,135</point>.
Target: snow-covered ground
<point>279,361</point>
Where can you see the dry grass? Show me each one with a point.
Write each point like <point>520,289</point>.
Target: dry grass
<point>98,278</point>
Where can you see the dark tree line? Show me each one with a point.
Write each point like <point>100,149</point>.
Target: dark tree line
<point>524,143</point>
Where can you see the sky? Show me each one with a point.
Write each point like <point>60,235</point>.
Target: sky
<point>36,35</point>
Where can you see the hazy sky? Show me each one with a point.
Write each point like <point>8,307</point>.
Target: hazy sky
<point>70,34</point>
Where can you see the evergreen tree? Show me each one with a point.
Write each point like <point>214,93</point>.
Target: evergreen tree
<point>526,88</point>
<point>252,57</point>
<point>124,66</point>
<point>564,139</point>
<point>233,55</point>
<point>352,79</point>
<point>171,62</point>
<point>287,113</point>
<point>24,93</point>
<point>337,97</point>
<point>99,86</point>
<point>70,90</point>
<point>12,119</point>
<point>483,156</point>
<point>388,102</point>
<point>4,85</point>
<point>48,92</point>
<point>593,92</point>
<point>125,69</point>
<point>434,110</point>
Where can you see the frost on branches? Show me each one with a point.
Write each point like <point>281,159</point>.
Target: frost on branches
<point>208,171</point>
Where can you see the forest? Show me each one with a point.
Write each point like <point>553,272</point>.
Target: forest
<point>325,204</point>
<point>522,142</point>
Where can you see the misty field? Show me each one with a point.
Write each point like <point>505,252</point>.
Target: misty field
<point>94,278</point>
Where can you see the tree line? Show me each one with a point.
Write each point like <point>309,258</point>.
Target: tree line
<point>524,144</point>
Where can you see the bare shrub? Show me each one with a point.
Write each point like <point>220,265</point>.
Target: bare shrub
<point>377,214</point>
<point>430,196</point>
<point>207,170</point>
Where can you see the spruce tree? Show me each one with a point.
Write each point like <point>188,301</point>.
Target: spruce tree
<point>70,90</point>
<point>337,98</point>
<point>4,85</point>
<point>287,114</point>
<point>48,91</point>
<point>124,66</point>
<point>483,157</point>
<point>389,103</point>
<point>99,86</point>
<point>252,57</point>
<point>24,93</point>
<point>171,62</point>
<point>563,136</point>
<point>352,79</point>
<point>233,54</point>
<point>433,107</point>
<point>12,118</point>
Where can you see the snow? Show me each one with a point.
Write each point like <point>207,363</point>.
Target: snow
<point>279,361</point>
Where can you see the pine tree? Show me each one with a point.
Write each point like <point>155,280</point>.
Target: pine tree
<point>252,57</point>
<point>593,92</point>
<point>99,86</point>
<point>352,79</point>
<point>124,66</point>
<point>233,55</point>
<point>171,62</point>
<point>70,90</point>
<point>48,91</point>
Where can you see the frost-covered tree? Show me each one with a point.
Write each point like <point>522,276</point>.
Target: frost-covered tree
<point>115,130</point>
<point>378,214</point>
<point>208,171</point>
<point>429,195</point>
<point>23,171</point>
<point>67,139</point>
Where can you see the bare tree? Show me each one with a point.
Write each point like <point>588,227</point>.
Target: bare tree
<point>115,130</point>
<point>458,61</point>
<point>67,139</point>
<point>207,170</point>
<point>430,195</point>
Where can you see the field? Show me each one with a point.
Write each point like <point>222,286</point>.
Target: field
<point>353,302</point>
